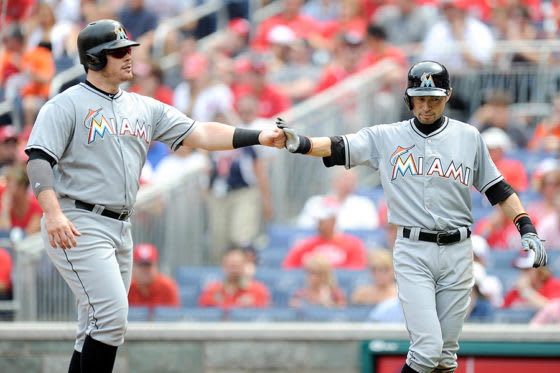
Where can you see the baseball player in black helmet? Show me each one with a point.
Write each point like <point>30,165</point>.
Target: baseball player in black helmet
<point>99,38</point>
<point>86,151</point>
<point>428,166</point>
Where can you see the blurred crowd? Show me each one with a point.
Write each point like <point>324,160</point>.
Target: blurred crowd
<point>245,73</point>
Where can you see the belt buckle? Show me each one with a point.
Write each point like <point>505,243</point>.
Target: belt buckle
<point>438,238</point>
<point>124,214</point>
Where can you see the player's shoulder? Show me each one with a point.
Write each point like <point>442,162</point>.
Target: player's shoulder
<point>464,127</point>
<point>396,126</point>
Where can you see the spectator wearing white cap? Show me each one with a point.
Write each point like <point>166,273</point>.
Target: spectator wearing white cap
<point>498,143</point>
<point>488,285</point>
<point>354,211</point>
<point>545,180</point>
<point>280,37</point>
<point>534,288</point>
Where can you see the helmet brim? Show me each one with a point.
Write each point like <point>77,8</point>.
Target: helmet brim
<point>116,44</point>
<point>418,92</point>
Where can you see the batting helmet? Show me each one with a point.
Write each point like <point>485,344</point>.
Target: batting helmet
<point>97,38</point>
<point>427,78</point>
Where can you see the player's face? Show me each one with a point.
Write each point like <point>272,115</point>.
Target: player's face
<point>428,109</point>
<point>119,65</point>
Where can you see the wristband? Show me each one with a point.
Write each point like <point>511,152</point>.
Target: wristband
<point>243,137</point>
<point>524,224</point>
<point>305,145</point>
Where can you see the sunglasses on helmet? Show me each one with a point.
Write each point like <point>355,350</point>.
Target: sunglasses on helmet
<point>119,53</point>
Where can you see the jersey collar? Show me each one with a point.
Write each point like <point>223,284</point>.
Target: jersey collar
<point>110,96</point>
<point>437,130</point>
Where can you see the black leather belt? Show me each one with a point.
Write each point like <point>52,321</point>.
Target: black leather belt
<point>123,215</point>
<point>441,238</point>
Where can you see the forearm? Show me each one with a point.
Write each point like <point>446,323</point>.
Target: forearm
<point>211,136</point>
<point>512,206</point>
<point>49,202</point>
<point>321,147</point>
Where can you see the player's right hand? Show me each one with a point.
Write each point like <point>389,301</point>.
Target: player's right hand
<point>61,231</point>
<point>530,241</point>
<point>292,138</point>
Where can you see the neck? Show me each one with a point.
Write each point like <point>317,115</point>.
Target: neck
<point>428,128</point>
<point>95,80</point>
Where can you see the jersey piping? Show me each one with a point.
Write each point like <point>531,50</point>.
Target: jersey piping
<point>436,132</point>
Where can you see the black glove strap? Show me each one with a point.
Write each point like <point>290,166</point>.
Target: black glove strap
<point>524,224</point>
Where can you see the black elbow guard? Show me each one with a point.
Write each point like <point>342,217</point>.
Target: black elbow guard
<point>338,153</point>
<point>499,192</point>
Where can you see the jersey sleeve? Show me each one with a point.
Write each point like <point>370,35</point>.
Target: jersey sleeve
<point>171,126</point>
<point>486,173</point>
<point>361,148</point>
<point>53,129</point>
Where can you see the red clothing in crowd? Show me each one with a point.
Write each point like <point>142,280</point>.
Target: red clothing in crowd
<point>162,292</point>
<point>391,52</point>
<point>5,269</point>
<point>343,251</point>
<point>271,100</point>
<point>302,26</point>
<point>253,294</point>
<point>332,28</point>
<point>499,238</point>
<point>514,172</point>
<point>331,76</point>
<point>33,209</point>
<point>549,290</point>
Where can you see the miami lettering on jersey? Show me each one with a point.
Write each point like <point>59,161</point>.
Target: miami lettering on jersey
<point>100,125</point>
<point>416,167</point>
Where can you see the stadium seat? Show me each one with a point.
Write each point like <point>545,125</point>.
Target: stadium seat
<point>284,236</point>
<point>201,276</point>
<point>500,259</point>
<point>481,212</point>
<point>347,314</point>
<point>371,237</point>
<point>348,280</point>
<point>516,316</point>
<point>508,276</point>
<point>530,159</point>
<point>374,194</point>
<point>281,283</point>
<point>270,257</point>
<point>138,314</point>
<point>263,314</point>
<point>169,314</point>
<point>189,295</point>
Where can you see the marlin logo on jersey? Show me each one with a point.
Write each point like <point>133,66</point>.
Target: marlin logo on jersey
<point>99,126</point>
<point>416,167</point>
<point>427,81</point>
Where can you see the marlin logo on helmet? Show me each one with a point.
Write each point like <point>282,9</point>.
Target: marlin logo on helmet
<point>427,81</point>
<point>119,31</point>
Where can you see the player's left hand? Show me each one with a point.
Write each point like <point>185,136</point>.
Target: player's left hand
<point>274,137</point>
<point>530,241</point>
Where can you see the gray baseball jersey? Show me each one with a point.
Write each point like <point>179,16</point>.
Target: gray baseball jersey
<point>100,144</point>
<point>427,179</point>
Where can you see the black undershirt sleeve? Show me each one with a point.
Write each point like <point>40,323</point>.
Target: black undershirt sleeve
<point>39,154</point>
<point>499,192</point>
<point>338,154</point>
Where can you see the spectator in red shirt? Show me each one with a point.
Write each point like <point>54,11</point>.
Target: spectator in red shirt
<point>340,249</point>
<point>148,81</point>
<point>149,287</point>
<point>348,53</point>
<point>271,100</point>
<point>236,289</point>
<point>18,207</point>
<point>302,25</point>
<point>498,231</point>
<point>5,274</point>
<point>534,287</point>
<point>351,20</point>
<point>320,286</point>
<point>498,143</point>
<point>378,49</point>
<point>545,180</point>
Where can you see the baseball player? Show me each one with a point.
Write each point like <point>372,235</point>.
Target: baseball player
<point>428,165</point>
<point>86,151</point>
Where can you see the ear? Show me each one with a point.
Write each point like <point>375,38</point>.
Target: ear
<point>449,95</point>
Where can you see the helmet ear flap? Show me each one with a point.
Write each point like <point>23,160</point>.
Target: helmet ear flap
<point>407,101</point>
<point>96,62</point>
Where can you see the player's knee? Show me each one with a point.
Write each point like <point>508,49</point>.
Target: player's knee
<point>114,328</point>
